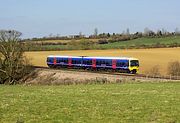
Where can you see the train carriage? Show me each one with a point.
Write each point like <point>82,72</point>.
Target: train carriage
<point>120,64</point>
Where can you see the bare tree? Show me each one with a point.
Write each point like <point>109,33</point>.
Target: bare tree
<point>12,61</point>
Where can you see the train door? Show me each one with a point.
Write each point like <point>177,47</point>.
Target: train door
<point>114,64</point>
<point>94,63</point>
<point>55,61</point>
<point>69,62</point>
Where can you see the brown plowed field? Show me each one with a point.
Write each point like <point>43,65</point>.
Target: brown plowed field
<point>148,57</point>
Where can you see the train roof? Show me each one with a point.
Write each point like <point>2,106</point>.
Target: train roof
<point>52,56</point>
<point>87,57</point>
<point>124,58</point>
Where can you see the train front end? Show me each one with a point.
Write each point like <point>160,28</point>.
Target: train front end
<point>133,65</point>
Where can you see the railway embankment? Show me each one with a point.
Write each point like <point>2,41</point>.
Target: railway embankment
<point>46,76</point>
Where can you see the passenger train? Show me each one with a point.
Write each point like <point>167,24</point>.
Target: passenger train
<point>119,64</point>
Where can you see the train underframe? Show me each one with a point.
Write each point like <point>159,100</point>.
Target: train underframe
<point>134,71</point>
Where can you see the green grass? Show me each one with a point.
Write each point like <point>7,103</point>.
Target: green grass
<point>142,42</point>
<point>112,103</point>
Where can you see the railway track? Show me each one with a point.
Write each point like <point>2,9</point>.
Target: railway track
<point>114,73</point>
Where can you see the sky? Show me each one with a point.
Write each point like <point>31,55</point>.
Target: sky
<point>38,18</point>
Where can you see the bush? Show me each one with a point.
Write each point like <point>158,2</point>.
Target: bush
<point>174,68</point>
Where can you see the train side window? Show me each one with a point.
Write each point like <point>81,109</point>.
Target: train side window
<point>73,61</point>
<point>85,61</point>
<point>123,64</point>
<point>97,62</point>
<point>109,63</point>
<point>127,64</point>
<point>65,60</point>
<point>103,61</point>
<point>118,64</point>
<point>78,61</point>
<point>100,61</point>
<point>89,62</point>
<point>58,60</point>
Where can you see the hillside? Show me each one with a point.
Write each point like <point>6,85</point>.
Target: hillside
<point>84,44</point>
<point>144,43</point>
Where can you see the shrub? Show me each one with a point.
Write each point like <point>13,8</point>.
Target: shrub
<point>174,68</point>
<point>154,71</point>
<point>103,41</point>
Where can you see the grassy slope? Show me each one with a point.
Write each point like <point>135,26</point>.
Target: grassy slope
<point>142,41</point>
<point>136,43</point>
<point>145,102</point>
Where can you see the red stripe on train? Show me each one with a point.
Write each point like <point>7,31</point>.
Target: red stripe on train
<point>114,64</point>
<point>55,62</point>
<point>69,62</point>
<point>94,63</point>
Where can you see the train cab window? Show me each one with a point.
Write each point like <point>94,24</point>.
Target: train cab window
<point>50,60</point>
<point>134,63</point>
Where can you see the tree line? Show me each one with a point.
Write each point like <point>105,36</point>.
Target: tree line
<point>126,34</point>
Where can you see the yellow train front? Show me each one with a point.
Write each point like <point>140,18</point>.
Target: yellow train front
<point>119,64</point>
<point>133,65</point>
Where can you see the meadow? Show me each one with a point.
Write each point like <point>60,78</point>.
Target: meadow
<point>116,103</point>
<point>149,58</point>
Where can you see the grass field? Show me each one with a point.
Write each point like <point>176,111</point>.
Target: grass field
<point>148,57</point>
<point>113,103</point>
